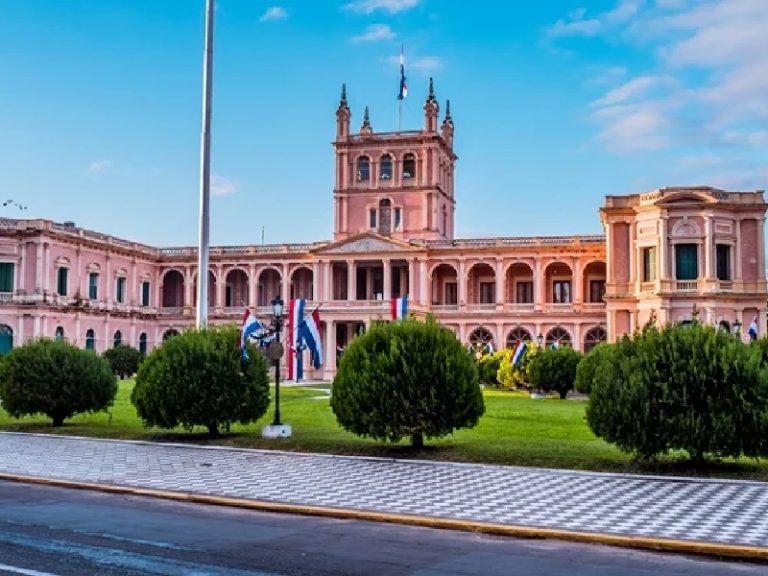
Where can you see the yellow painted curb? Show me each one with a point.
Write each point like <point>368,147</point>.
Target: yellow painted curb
<point>640,542</point>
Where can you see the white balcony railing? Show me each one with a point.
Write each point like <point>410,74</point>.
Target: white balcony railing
<point>687,285</point>
<point>444,307</point>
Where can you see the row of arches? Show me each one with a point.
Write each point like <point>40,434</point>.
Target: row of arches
<point>557,336</point>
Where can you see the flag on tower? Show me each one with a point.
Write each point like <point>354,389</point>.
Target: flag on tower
<point>403,86</point>
<point>399,308</point>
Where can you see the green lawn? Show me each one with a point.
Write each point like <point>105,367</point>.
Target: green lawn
<point>514,430</point>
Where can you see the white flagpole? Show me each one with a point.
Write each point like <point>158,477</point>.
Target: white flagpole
<point>205,172</point>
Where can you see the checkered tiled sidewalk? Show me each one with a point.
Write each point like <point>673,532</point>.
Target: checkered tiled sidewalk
<point>700,510</point>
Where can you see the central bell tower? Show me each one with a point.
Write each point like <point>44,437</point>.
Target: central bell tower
<point>396,184</point>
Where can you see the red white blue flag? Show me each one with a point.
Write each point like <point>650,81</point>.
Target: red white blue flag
<point>399,308</point>
<point>295,318</point>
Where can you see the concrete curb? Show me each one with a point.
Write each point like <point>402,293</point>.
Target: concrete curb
<point>638,542</point>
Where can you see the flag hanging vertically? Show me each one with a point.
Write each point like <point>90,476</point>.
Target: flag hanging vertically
<point>250,328</point>
<point>403,86</point>
<point>399,308</point>
<point>519,352</point>
<point>295,318</point>
<point>310,338</point>
<point>753,329</point>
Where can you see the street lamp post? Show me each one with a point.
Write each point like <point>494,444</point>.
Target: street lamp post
<point>274,352</point>
<point>277,322</point>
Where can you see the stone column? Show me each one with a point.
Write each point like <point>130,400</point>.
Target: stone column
<point>252,283</point>
<point>737,251</point>
<point>327,267</point>
<point>108,297</point>
<point>499,284</point>
<point>221,286</point>
<point>708,248</point>
<point>577,343</point>
<point>286,284</point>
<point>351,280</point>
<point>330,349</point>
<point>188,287</point>
<point>46,267</point>
<point>462,281</point>
<point>134,288</point>
<point>424,290</point>
<point>368,284</point>
<point>316,292</point>
<point>411,282</point>
<point>22,283</point>
<point>387,263</point>
<point>761,251</point>
<point>78,275</point>
<point>578,289</point>
<point>39,267</point>
<point>663,249</point>
<point>538,284</point>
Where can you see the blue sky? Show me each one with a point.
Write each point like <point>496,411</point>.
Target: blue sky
<point>556,104</point>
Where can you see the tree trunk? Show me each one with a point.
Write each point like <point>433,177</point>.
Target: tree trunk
<point>57,420</point>
<point>417,440</point>
<point>563,394</point>
<point>213,429</point>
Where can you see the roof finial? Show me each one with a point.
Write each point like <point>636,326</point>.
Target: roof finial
<point>343,95</point>
<point>448,111</point>
<point>431,97</point>
<point>366,127</point>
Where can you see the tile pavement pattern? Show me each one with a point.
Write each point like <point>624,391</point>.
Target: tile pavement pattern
<point>728,512</point>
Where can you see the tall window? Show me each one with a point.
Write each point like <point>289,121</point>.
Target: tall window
<point>487,292</point>
<point>451,293</point>
<point>409,166</point>
<point>398,218</point>
<point>385,216</point>
<point>93,285</point>
<point>385,167</point>
<point>561,292</point>
<point>6,277</point>
<point>143,343</point>
<point>90,339</point>
<point>145,293</point>
<point>524,292</point>
<point>118,338</point>
<point>62,281</point>
<point>686,261</point>
<point>120,290</point>
<point>363,169</point>
<point>372,218</point>
<point>723,262</point>
<point>59,334</point>
<point>596,290</point>
<point>649,264</point>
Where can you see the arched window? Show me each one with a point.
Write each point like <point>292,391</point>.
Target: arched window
<point>363,169</point>
<point>558,337</point>
<point>6,339</point>
<point>143,343</point>
<point>170,333</point>
<point>385,216</point>
<point>90,340</point>
<point>481,341</point>
<point>594,337</point>
<point>409,166</point>
<point>58,335</point>
<point>118,338</point>
<point>517,335</point>
<point>385,167</point>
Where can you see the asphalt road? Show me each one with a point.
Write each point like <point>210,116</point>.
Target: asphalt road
<point>57,532</point>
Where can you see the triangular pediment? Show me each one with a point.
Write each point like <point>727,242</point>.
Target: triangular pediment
<point>364,243</point>
<point>703,195</point>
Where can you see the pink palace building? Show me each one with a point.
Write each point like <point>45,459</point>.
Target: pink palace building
<point>675,251</point>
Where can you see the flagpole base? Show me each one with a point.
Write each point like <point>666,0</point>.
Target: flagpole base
<point>276,431</point>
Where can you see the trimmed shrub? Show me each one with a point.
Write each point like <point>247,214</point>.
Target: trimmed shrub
<point>512,377</point>
<point>554,370</point>
<point>124,360</point>
<point>55,378</point>
<point>197,379</point>
<point>585,372</point>
<point>489,367</point>
<point>406,378</point>
<point>689,388</point>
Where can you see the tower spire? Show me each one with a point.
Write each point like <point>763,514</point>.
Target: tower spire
<point>343,101</point>
<point>448,112</point>
<point>431,97</point>
<point>366,127</point>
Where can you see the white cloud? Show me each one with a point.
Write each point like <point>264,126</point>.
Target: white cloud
<point>375,33</point>
<point>274,13</point>
<point>222,186</point>
<point>577,25</point>
<point>704,82</point>
<point>420,65</point>
<point>370,6</point>
<point>100,166</point>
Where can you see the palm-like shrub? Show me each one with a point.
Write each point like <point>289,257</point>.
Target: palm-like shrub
<point>406,378</point>
<point>55,378</point>
<point>124,360</point>
<point>681,388</point>
<point>554,370</point>
<point>197,379</point>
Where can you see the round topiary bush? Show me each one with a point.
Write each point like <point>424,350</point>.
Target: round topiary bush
<point>406,378</point>
<point>124,360</point>
<point>585,372</point>
<point>554,370</point>
<point>689,388</point>
<point>55,378</point>
<point>197,379</point>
